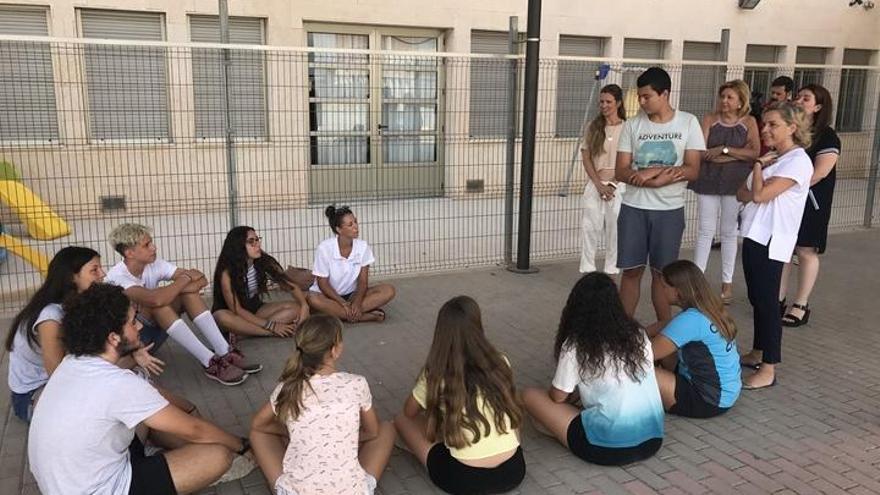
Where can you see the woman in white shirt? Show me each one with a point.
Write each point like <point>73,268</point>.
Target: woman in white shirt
<point>602,194</point>
<point>775,193</point>
<point>342,270</point>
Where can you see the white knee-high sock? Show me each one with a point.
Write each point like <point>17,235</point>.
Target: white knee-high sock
<point>180,333</point>
<point>205,322</point>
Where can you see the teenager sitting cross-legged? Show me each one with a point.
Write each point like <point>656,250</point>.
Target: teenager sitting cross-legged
<point>319,432</point>
<point>89,427</point>
<point>240,283</point>
<point>140,273</point>
<point>342,271</point>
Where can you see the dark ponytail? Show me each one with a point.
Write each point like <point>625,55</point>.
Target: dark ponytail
<point>335,216</point>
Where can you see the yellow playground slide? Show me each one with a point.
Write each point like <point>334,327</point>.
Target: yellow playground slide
<point>31,255</point>
<point>42,223</point>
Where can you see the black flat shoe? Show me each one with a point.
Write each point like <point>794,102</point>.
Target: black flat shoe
<point>790,320</point>
<point>751,366</point>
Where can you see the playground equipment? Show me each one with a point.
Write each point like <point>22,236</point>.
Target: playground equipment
<point>33,256</point>
<point>41,222</point>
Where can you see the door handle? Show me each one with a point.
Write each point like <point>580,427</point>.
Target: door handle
<point>381,126</point>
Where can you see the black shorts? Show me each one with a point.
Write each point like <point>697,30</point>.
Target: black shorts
<point>451,476</point>
<point>253,304</point>
<point>689,403</point>
<point>607,456</point>
<point>149,475</point>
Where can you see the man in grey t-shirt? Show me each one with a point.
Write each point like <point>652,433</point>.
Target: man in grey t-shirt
<point>658,152</point>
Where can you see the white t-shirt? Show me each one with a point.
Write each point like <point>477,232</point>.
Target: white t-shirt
<point>26,370</point>
<point>779,220</point>
<point>83,425</point>
<point>659,145</point>
<point>618,411</point>
<point>157,271</point>
<point>342,272</point>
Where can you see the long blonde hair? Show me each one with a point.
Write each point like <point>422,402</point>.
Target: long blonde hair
<point>596,130</point>
<point>314,340</point>
<point>463,366</point>
<point>694,292</point>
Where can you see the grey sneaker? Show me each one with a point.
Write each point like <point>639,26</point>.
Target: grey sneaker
<point>236,358</point>
<point>241,466</point>
<point>221,370</point>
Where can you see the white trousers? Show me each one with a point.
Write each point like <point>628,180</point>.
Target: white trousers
<point>599,218</point>
<point>709,208</point>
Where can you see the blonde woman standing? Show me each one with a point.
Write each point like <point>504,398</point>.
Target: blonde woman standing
<point>732,144</point>
<point>775,194</point>
<point>602,194</point>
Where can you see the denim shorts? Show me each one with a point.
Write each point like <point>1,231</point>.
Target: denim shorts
<point>648,237</point>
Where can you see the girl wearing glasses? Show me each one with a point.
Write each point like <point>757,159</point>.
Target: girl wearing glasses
<point>240,283</point>
<point>342,270</point>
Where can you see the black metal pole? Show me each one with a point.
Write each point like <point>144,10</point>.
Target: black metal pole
<point>530,111</point>
<point>512,117</point>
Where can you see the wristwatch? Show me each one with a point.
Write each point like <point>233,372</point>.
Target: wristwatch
<point>725,150</point>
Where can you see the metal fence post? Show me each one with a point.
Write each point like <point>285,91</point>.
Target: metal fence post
<point>874,165</point>
<point>512,49</point>
<point>530,117</point>
<point>231,185</point>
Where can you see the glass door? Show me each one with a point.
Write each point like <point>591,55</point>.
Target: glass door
<point>374,120</point>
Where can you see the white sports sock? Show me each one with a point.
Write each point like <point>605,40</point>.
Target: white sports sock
<point>205,322</point>
<point>180,333</point>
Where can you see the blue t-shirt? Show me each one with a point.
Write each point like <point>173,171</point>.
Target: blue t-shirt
<point>618,411</point>
<point>705,357</point>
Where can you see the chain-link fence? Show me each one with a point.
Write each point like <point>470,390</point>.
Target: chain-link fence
<point>191,139</point>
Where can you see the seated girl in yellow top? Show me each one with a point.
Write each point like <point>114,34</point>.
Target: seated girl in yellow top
<point>476,448</point>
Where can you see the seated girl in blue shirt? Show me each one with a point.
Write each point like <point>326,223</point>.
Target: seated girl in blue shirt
<point>699,372</point>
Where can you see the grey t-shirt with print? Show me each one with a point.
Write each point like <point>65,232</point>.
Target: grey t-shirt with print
<point>659,145</point>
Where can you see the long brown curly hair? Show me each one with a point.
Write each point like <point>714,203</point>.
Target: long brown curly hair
<point>597,327</point>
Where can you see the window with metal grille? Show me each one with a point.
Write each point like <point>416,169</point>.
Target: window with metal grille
<point>246,78</point>
<point>640,48</point>
<point>699,83</point>
<point>339,100</point>
<point>126,84</point>
<point>759,78</point>
<point>488,89</point>
<point>577,89</point>
<point>809,75</point>
<point>851,101</point>
<point>27,86</point>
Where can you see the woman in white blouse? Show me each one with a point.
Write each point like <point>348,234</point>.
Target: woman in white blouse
<point>775,193</point>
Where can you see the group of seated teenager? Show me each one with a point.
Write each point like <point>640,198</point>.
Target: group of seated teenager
<point>319,431</point>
